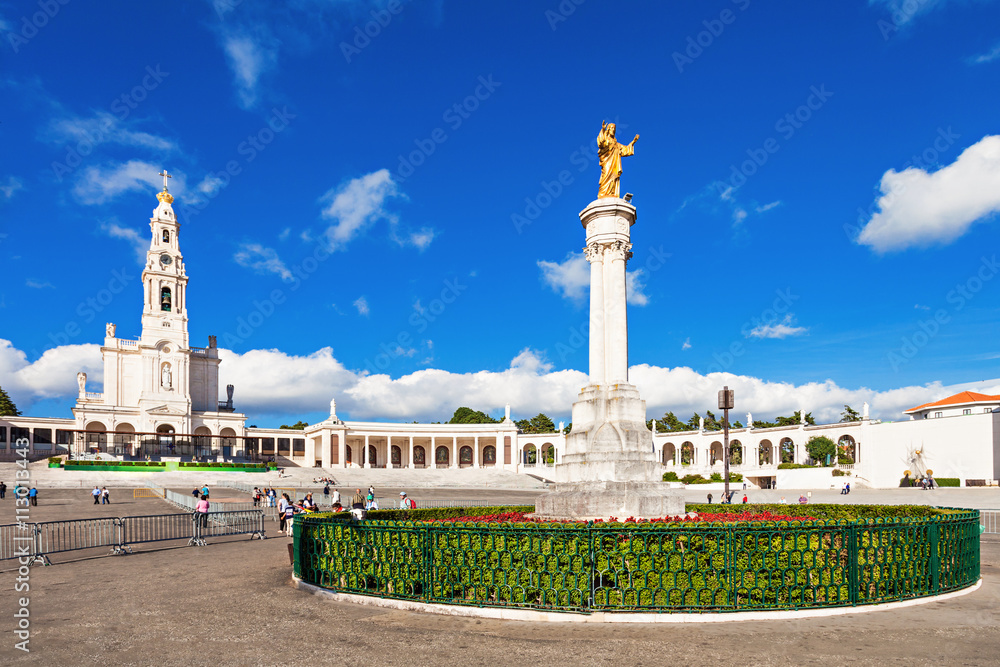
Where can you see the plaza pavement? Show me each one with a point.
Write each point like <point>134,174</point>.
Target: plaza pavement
<point>231,603</point>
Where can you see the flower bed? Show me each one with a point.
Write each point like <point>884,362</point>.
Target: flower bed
<point>734,558</point>
<point>524,517</point>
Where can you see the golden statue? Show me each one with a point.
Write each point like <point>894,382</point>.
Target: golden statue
<point>610,153</point>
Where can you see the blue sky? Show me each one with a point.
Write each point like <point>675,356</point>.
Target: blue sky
<point>817,189</point>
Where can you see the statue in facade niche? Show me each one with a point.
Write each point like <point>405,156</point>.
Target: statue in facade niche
<point>166,380</point>
<point>610,154</point>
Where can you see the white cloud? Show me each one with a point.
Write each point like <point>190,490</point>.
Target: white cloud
<point>273,382</point>
<point>903,11</point>
<point>361,304</point>
<point>53,375</point>
<point>918,208</point>
<point>635,283</point>
<point>101,128</point>
<point>987,57</point>
<point>38,284</point>
<point>782,329</point>
<point>12,185</point>
<point>421,239</point>
<point>261,259</point>
<point>687,344</point>
<point>570,279</point>
<point>284,234</point>
<point>767,207</point>
<point>358,203</point>
<point>249,59</point>
<point>98,185</point>
<point>140,244</point>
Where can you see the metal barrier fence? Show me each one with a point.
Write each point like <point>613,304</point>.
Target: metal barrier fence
<point>643,567</point>
<point>990,521</point>
<point>14,538</point>
<point>38,541</point>
<point>52,537</point>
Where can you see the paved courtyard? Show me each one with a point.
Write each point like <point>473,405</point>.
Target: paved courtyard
<point>232,603</point>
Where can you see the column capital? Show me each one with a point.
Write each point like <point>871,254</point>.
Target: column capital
<point>620,250</point>
<point>594,252</point>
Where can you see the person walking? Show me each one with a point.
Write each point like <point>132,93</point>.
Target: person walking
<point>745,499</point>
<point>97,495</point>
<point>358,504</point>
<point>105,496</point>
<point>326,492</point>
<point>201,512</point>
<point>710,499</point>
<point>3,490</point>
<point>335,500</point>
<point>33,496</point>
<point>256,497</point>
<point>283,503</point>
<point>204,490</point>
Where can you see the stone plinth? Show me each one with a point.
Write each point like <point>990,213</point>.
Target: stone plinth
<point>609,441</point>
<point>585,501</point>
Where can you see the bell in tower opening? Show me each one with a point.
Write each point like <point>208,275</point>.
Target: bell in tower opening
<point>165,299</point>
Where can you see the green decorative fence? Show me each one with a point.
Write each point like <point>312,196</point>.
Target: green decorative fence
<point>685,567</point>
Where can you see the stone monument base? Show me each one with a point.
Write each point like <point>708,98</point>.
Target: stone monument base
<point>585,501</point>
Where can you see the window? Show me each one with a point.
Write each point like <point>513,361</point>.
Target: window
<point>3,437</point>
<point>987,409</point>
<point>165,299</point>
<point>967,411</point>
<point>299,445</point>
<point>937,415</point>
<point>43,438</point>
<point>166,236</point>
<point>284,446</point>
<point>18,433</point>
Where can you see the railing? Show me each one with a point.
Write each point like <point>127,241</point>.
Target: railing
<point>642,567</point>
<point>990,521</point>
<point>35,542</point>
<point>93,396</point>
<point>127,343</point>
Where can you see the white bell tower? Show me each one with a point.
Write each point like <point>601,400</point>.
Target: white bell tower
<point>164,282</point>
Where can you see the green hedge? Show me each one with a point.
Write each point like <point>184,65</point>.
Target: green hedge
<point>195,464</point>
<point>115,464</point>
<point>886,554</point>
<point>946,481</point>
<point>794,466</point>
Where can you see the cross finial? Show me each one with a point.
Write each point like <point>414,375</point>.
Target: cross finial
<point>165,176</point>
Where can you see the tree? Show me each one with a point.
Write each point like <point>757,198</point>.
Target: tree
<point>465,415</point>
<point>711,423</point>
<point>795,419</point>
<point>668,423</point>
<point>540,423</point>
<point>297,426</point>
<point>7,407</point>
<point>850,415</point>
<point>735,453</point>
<point>694,422</point>
<point>820,448</point>
<point>736,424</point>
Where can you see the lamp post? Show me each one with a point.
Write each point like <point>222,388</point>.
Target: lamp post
<point>726,398</point>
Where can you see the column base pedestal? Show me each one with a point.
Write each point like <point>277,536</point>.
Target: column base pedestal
<point>585,501</point>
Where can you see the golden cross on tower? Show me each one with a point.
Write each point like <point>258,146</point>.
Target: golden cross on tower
<point>165,176</point>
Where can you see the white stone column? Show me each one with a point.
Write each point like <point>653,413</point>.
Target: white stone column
<point>595,255</point>
<point>310,452</point>
<point>342,448</point>
<point>410,460</point>
<point>453,462</point>
<point>475,453</point>
<point>432,455</point>
<point>616,317</point>
<point>364,454</point>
